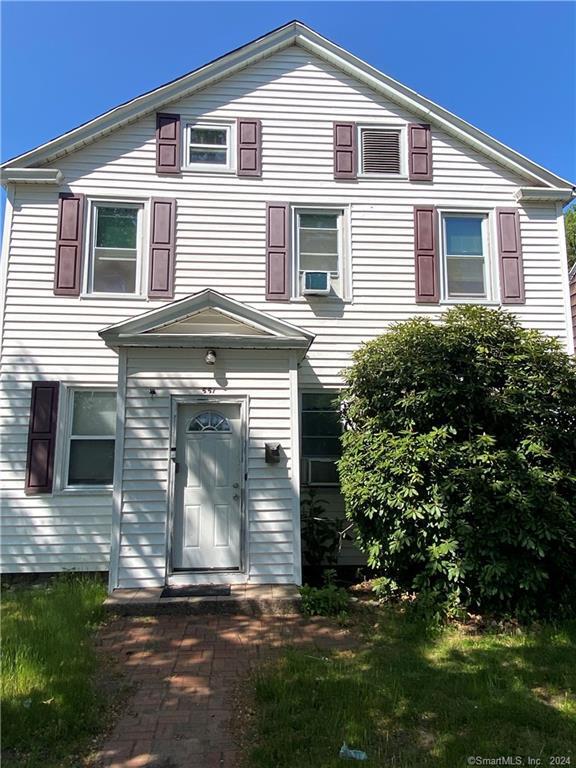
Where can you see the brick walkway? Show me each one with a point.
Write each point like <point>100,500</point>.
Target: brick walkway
<point>185,669</point>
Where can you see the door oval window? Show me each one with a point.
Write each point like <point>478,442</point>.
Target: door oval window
<point>209,421</point>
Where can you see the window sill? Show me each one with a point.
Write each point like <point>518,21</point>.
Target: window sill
<point>319,297</point>
<point>375,176</point>
<point>482,302</point>
<point>86,490</point>
<point>210,171</point>
<point>123,296</point>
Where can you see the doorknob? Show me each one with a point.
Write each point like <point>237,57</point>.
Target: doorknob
<point>236,497</point>
<point>236,485</point>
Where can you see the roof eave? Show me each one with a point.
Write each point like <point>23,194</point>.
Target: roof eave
<point>298,33</point>
<point>543,194</point>
<point>180,341</point>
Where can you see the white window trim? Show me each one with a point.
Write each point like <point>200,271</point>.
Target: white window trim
<point>403,131</point>
<point>305,460</point>
<point>344,251</point>
<point>141,246</point>
<point>63,442</point>
<point>489,241</point>
<point>229,126</point>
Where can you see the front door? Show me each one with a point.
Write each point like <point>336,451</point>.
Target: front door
<point>208,499</point>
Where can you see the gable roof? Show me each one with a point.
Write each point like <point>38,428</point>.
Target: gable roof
<point>193,322</point>
<point>293,33</point>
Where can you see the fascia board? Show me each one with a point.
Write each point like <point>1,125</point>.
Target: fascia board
<point>206,342</point>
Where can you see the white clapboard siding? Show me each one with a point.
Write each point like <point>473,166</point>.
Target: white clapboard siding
<point>221,245</point>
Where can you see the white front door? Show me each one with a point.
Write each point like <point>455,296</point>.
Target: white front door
<point>208,497</point>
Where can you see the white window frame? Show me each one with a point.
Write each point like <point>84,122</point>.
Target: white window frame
<point>141,260</point>
<point>305,460</point>
<point>490,257</point>
<point>229,127</point>
<point>65,430</point>
<point>344,251</point>
<point>403,140</point>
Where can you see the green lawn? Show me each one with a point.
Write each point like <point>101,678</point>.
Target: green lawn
<point>50,705</point>
<point>411,698</point>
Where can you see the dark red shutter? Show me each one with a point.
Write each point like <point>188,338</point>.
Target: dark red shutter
<point>41,437</point>
<point>249,147</point>
<point>277,252</point>
<point>345,151</point>
<point>162,248</point>
<point>68,264</point>
<point>419,152</point>
<point>510,256</point>
<point>167,143</point>
<point>426,255</point>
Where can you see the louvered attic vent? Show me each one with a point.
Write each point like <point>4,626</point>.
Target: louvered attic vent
<point>380,150</point>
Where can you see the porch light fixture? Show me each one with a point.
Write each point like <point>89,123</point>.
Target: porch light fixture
<point>210,358</point>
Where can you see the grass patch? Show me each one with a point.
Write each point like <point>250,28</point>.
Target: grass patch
<point>411,698</point>
<point>50,703</point>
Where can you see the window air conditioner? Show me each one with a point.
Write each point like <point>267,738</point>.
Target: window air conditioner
<point>316,283</point>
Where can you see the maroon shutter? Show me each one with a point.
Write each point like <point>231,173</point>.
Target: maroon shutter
<point>344,150</point>
<point>162,248</point>
<point>249,147</point>
<point>41,437</point>
<point>68,265</point>
<point>419,152</point>
<point>510,256</point>
<point>426,255</point>
<point>277,252</point>
<point>167,143</point>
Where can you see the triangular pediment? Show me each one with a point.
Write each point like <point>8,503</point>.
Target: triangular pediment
<point>295,33</point>
<point>205,319</point>
<point>210,322</point>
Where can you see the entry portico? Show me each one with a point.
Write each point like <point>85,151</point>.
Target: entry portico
<point>204,384</point>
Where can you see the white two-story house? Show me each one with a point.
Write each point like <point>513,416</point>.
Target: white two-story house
<point>186,276</point>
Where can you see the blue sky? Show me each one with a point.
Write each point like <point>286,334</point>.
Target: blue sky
<point>507,67</point>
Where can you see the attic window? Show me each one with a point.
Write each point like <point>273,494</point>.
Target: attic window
<point>380,151</point>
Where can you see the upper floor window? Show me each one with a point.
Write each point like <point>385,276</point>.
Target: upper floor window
<point>320,252</point>
<point>381,151</point>
<point>91,438</point>
<point>115,249</point>
<point>208,146</point>
<point>467,267</point>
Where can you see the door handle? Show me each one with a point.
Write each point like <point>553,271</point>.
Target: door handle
<point>236,497</point>
<point>236,485</point>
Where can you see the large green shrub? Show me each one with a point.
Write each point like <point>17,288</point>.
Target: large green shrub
<point>459,463</point>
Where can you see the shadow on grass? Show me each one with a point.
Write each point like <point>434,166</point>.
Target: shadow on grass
<point>49,700</point>
<point>412,698</point>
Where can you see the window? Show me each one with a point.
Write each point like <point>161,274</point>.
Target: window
<point>465,256</point>
<point>115,248</point>
<point>380,151</point>
<point>209,146</point>
<point>319,252</point>
<point>209,421</point>
<point>91,438</point>
<point>321,430</point>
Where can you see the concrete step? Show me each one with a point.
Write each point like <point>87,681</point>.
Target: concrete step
<point>250,600</point>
